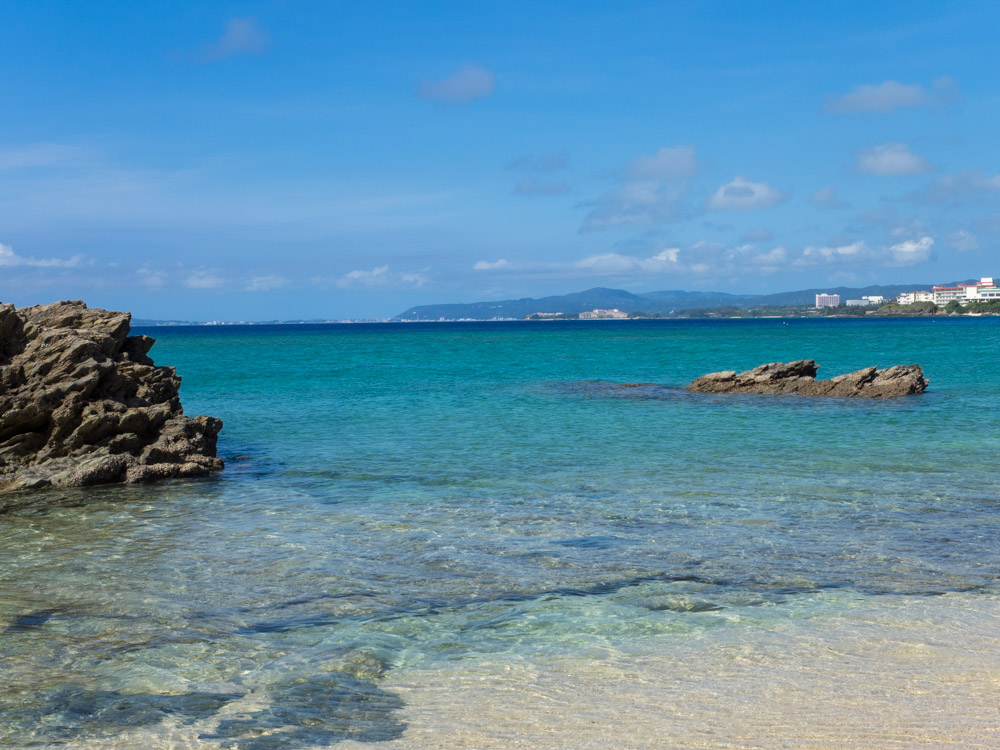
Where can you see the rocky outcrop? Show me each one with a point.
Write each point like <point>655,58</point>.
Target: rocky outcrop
<point>82,403</point>
<point>799,378</point>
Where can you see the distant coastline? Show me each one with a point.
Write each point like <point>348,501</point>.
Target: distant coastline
<point>708,314</point>
<point>666,304</point>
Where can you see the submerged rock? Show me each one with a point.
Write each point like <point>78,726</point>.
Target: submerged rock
<point>81,403</point>
<point>799,378</point>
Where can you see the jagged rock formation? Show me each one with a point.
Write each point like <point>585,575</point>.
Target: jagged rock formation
<point>81,403</point>
<point>799,378</point>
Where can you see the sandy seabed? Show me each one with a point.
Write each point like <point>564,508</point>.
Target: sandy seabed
<point>895,673</point>
<point>892,672</point>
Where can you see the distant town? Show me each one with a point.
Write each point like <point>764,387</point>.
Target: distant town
<point>984,290</point>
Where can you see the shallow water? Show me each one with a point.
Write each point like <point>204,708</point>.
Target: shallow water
<point>458,535</point>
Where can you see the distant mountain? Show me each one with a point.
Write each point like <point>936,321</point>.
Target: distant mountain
<point>662,303</point>
<point>518,308</point>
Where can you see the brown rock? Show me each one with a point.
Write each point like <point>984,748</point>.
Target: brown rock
<point>799,378</point>
<point>82,403</point>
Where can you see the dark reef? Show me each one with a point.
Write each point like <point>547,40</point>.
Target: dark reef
<point>799,378</point>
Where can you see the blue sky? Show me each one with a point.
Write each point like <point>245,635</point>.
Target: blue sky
<point>294,159</point>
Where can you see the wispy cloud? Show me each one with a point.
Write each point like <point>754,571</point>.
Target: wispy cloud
<point>381,276</point>
<point>891,96</point>
<point>243,36</point>
<point>741,194</point>
<point>635,203</point>
<point>651,188</point>
<point>151,277</point>
<point>891,160</point>
<point>758,234</point>
<point>486,265</point>
<point>698,260</point>
<point>464,85</point>
<point>957,186</point>
<point>265,283</point>
<point>10,259</point>
<point>714,260</point>
<point>827,197</point>
<point>204,279</point>
<point>41,155</point>
<point>963,241</point>
<point>669,162</point>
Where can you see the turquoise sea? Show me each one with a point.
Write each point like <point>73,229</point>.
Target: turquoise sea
<point>461,536</point>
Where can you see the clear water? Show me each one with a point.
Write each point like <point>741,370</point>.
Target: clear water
<point>460,535</point>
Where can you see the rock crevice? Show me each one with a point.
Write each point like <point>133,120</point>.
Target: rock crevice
<point>799,378</point>
<point>82,403</point>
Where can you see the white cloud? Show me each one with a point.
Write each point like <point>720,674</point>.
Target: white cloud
<point>963,241</point>
<point>485,265</point>
<point>812,255</point>
<point>667,163</point>
<point>827,197</point>
<point>465,84</point>
<point>204,279</point>
<point>531,186</point>
<point>702,260</point>
<point>697,260</point>
<point>380,276</point>
<point>773,258</point>
<point>890,96</point>
<point>911,252</point>
<point>635,203</point>
<point>906,253</point>
<point>891,160</point>
<point>9,259</point>
<point>243,36</point>
<point>740,194</point>
<point>709,261</point>
<point>610,264</point>
<point>670,255</point>
<point>265,283</point>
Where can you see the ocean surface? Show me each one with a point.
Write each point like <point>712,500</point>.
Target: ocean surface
<point>465,536</point>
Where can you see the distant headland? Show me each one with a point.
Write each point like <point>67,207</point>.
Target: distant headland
<point>892,299</point>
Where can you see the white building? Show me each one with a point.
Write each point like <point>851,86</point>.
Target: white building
<point>865,301</point>
<point>982,291</point>
<point>614,314</point>
<point>908,298</point>
<point>945,294</point>
<point>827,300</point>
